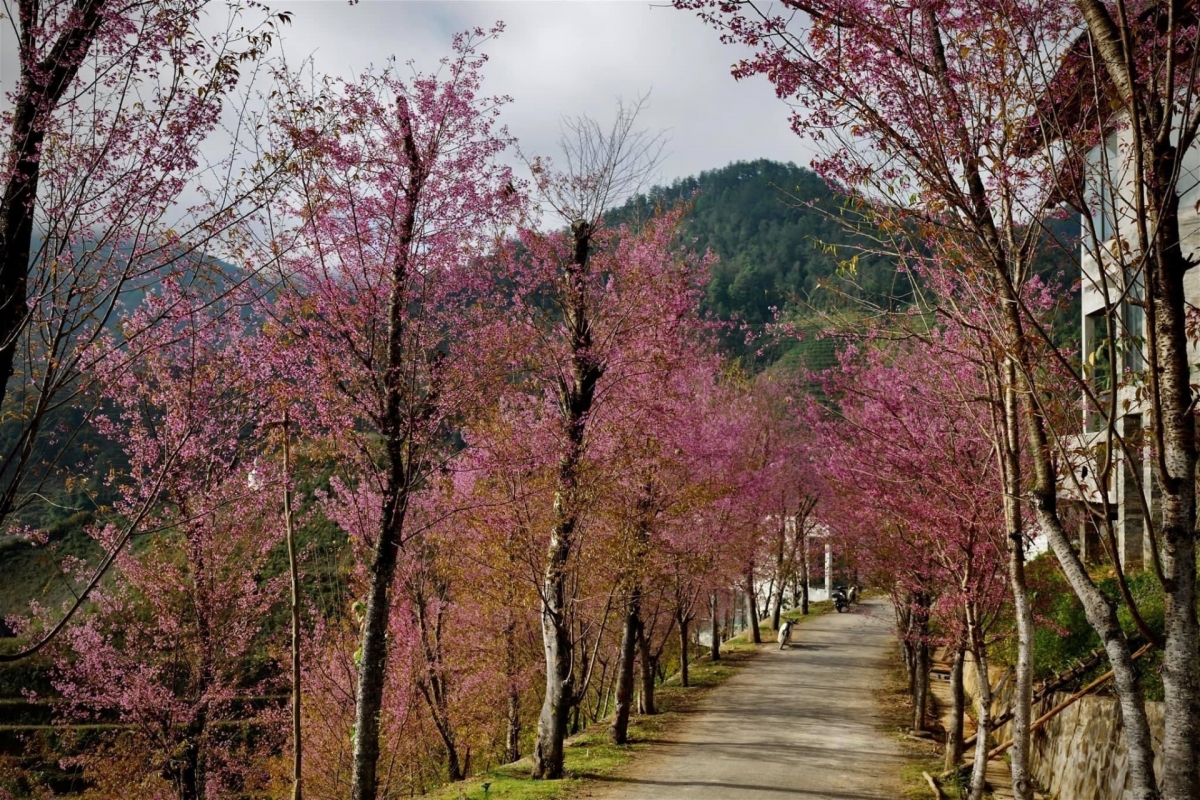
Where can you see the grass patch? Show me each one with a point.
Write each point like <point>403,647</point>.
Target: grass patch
<point>896,715</point>
<point>815,609</point>
<point>590,755</point>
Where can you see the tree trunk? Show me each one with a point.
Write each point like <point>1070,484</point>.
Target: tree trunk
<point>919,636</point>
<point>804,577</point>
<point>512,749</point>
<point>646,694</point>
<point>435,697</point>
<point>716,629</point>
<point>1022,701</point>
<point>294,572</point>
<point>433,683</point>
<point>1177,422</point>
<point>193,776</point>
<point>556,707</point>
<point>983,716</point>
<point>454,769</point>
<point>683,650</point>
<point>190,783</point>
<point>1103,618</point>
<point>186,770</point>
<point>908,651</point>
<point>752,609</point>
<point>372,670</point>
<point>904,626</point>
<point>619,732</point>
<point>601,693</point>
<point>47,71</point>
<point>920,696</point>
<point>954,736</point>
<point>609,692</point>
<point>576,396</point>
<point>775,596</point>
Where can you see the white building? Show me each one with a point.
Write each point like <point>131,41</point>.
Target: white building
<point>1111,300</point>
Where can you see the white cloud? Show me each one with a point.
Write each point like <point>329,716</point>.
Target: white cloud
<point>568,58</point>
<point>556,59</point>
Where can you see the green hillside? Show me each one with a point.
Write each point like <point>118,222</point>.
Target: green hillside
<point>784,243</point>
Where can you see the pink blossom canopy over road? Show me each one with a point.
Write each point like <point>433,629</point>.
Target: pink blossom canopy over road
<point>908,459</point>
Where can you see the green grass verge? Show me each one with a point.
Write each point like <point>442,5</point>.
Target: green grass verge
<point>591,757</point>
<point>896,715</point>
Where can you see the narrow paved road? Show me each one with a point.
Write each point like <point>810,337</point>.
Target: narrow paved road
<point>800,723</point>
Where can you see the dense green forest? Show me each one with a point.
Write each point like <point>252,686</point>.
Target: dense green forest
<point>783,239</point>
<point>789,247</point>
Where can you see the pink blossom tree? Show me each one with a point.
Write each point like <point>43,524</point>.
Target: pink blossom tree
<point>103,189</point>
<point>107,189</point>
<point>906,418</point>
<point>623,298</point>
<point>392,205</point>
<point>172,649</point>
<point>661,461</point>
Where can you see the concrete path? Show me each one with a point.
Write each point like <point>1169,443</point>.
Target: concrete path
<point>800,723</point>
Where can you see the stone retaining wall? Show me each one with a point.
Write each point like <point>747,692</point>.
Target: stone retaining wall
<point>1079,754</point>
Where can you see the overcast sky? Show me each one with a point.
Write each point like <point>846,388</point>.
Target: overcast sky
<point>568,58</point>
<point>556,58</point>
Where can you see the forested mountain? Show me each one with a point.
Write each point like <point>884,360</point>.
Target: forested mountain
<point>786,241</point>
<point>779,232</point>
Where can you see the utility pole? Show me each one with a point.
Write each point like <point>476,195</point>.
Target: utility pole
<point>828,571</point>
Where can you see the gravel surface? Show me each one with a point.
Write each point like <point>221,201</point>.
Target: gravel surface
<point>800,723</point>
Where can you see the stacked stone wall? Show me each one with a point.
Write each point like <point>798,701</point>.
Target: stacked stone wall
<point>1079,754</point>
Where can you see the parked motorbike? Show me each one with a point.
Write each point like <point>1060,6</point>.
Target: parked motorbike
<point>840,601</point>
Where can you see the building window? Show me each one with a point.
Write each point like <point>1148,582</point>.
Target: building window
<point>1129,330</point>
<point>1135,334</point>
<point>1104,191</point>
<point>1097,353</point>
<point>1110,182</point>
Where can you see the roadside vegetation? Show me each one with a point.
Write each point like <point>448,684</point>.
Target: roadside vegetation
<point>591,757</point>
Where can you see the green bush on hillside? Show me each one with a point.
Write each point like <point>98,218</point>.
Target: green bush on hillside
<point>1062,635</point>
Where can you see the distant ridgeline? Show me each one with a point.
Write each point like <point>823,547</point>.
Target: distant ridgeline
<point>786,242</point>
<point>65,485</point>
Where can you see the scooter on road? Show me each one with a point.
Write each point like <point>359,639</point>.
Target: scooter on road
<point>840,601</point>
